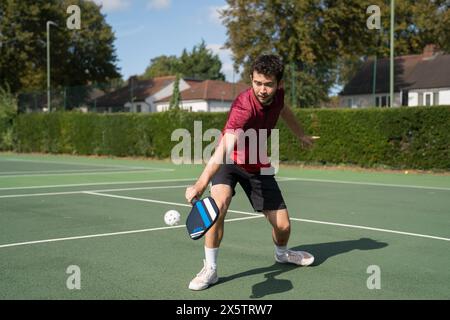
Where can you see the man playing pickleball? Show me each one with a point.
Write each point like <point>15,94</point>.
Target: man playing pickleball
<point>257,108</point>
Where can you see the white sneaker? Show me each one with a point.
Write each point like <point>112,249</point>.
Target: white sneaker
<point>206,277</point>
<point>301,258</point>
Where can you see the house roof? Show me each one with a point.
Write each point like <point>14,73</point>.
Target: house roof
<point>140,89</point>
<point>430,69</point>
<point>431,73</point>
<point>211,90</point>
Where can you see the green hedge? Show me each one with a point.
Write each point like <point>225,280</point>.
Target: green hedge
<point>107,134</point>
<point>399,138</point>
<point>6,133</point>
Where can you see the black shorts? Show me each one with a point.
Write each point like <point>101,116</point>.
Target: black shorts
<point>262,190</point>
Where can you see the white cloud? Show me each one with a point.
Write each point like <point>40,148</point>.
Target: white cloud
<point>112,5</point>
<point>214,13</point>
<point>158,4</point>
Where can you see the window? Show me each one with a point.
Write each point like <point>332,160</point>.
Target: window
<point>377,101</point>
<point>428,99</point>
<point>435,98</point>
<point>420,99</point>
<point>404,97</point>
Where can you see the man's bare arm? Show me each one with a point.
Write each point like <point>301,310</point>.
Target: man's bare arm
<point>289,118</point>
<point>223,150</point>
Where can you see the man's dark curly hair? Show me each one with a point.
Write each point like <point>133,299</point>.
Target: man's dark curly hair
<point>269,65</point>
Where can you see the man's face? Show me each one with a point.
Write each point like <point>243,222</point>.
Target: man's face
<point>264,87</point>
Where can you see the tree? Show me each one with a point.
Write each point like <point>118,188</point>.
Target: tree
<point>8,112</point>
<point>316,38</point>
<point>78,56</point>
<point>176,97</point>
<point>161,66</point>
<point>200,64</point>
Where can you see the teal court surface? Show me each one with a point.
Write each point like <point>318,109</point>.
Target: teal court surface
<point>92,228</point>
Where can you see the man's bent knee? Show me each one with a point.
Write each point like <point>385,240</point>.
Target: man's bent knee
<point>222,195</point>
<point>279,219</point>
<point>284,228</point>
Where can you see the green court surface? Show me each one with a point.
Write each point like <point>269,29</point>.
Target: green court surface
<point>105,217</point>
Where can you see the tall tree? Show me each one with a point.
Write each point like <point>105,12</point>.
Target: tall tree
<point>315,38</point>
<point>176,97</point>
<point>201,63</point>
<point>161,66</point>
<point>78,56</point>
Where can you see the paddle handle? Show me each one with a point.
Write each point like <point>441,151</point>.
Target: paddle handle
<point>194,200</point>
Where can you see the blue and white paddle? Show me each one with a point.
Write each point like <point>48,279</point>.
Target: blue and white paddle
<point>203,215</point>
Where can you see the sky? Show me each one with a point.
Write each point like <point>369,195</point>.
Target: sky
<point>146,29</point>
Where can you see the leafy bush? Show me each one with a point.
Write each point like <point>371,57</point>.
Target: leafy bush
<point>399,138</point>
<point>8,112</point>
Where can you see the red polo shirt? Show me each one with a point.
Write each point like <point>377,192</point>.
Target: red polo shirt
<point>248,113</point>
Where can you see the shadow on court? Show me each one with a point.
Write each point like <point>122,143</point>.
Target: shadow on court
<point>321,252</point>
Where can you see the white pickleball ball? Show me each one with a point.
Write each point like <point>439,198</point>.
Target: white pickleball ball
<point>172,217</point>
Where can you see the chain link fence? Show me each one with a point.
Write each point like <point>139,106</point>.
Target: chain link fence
<point>82,98</point>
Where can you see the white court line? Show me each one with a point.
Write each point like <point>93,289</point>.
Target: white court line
<point>107,234</point>
<point>281,179</point>
<point>84,191</point>
<point>295,219</point>
<point>373,229</point>
<point>76,163</point>
<point>38,194</point>
<point>253,215</point>
<point>97,192</point>
<point>161,202</point>
<point>84,174</point>
<point>20,173</point>
<point>365,183</point>
<point>96,184</point>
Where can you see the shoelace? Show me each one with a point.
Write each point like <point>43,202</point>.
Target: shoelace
<point>294,256</point>
<point>204,271</point>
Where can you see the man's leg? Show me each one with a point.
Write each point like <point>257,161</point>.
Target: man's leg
<point>222,195</point>
<point>279,219</point>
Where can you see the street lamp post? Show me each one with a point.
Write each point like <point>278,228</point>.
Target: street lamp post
<point>391,89</point>
<point>48,63</point>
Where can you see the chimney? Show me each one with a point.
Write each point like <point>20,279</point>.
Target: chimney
<point>133,80</point>
<point>429,51</point>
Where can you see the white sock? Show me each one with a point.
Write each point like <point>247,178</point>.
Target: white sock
<point>211,257</point>
<point>280,250</point>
